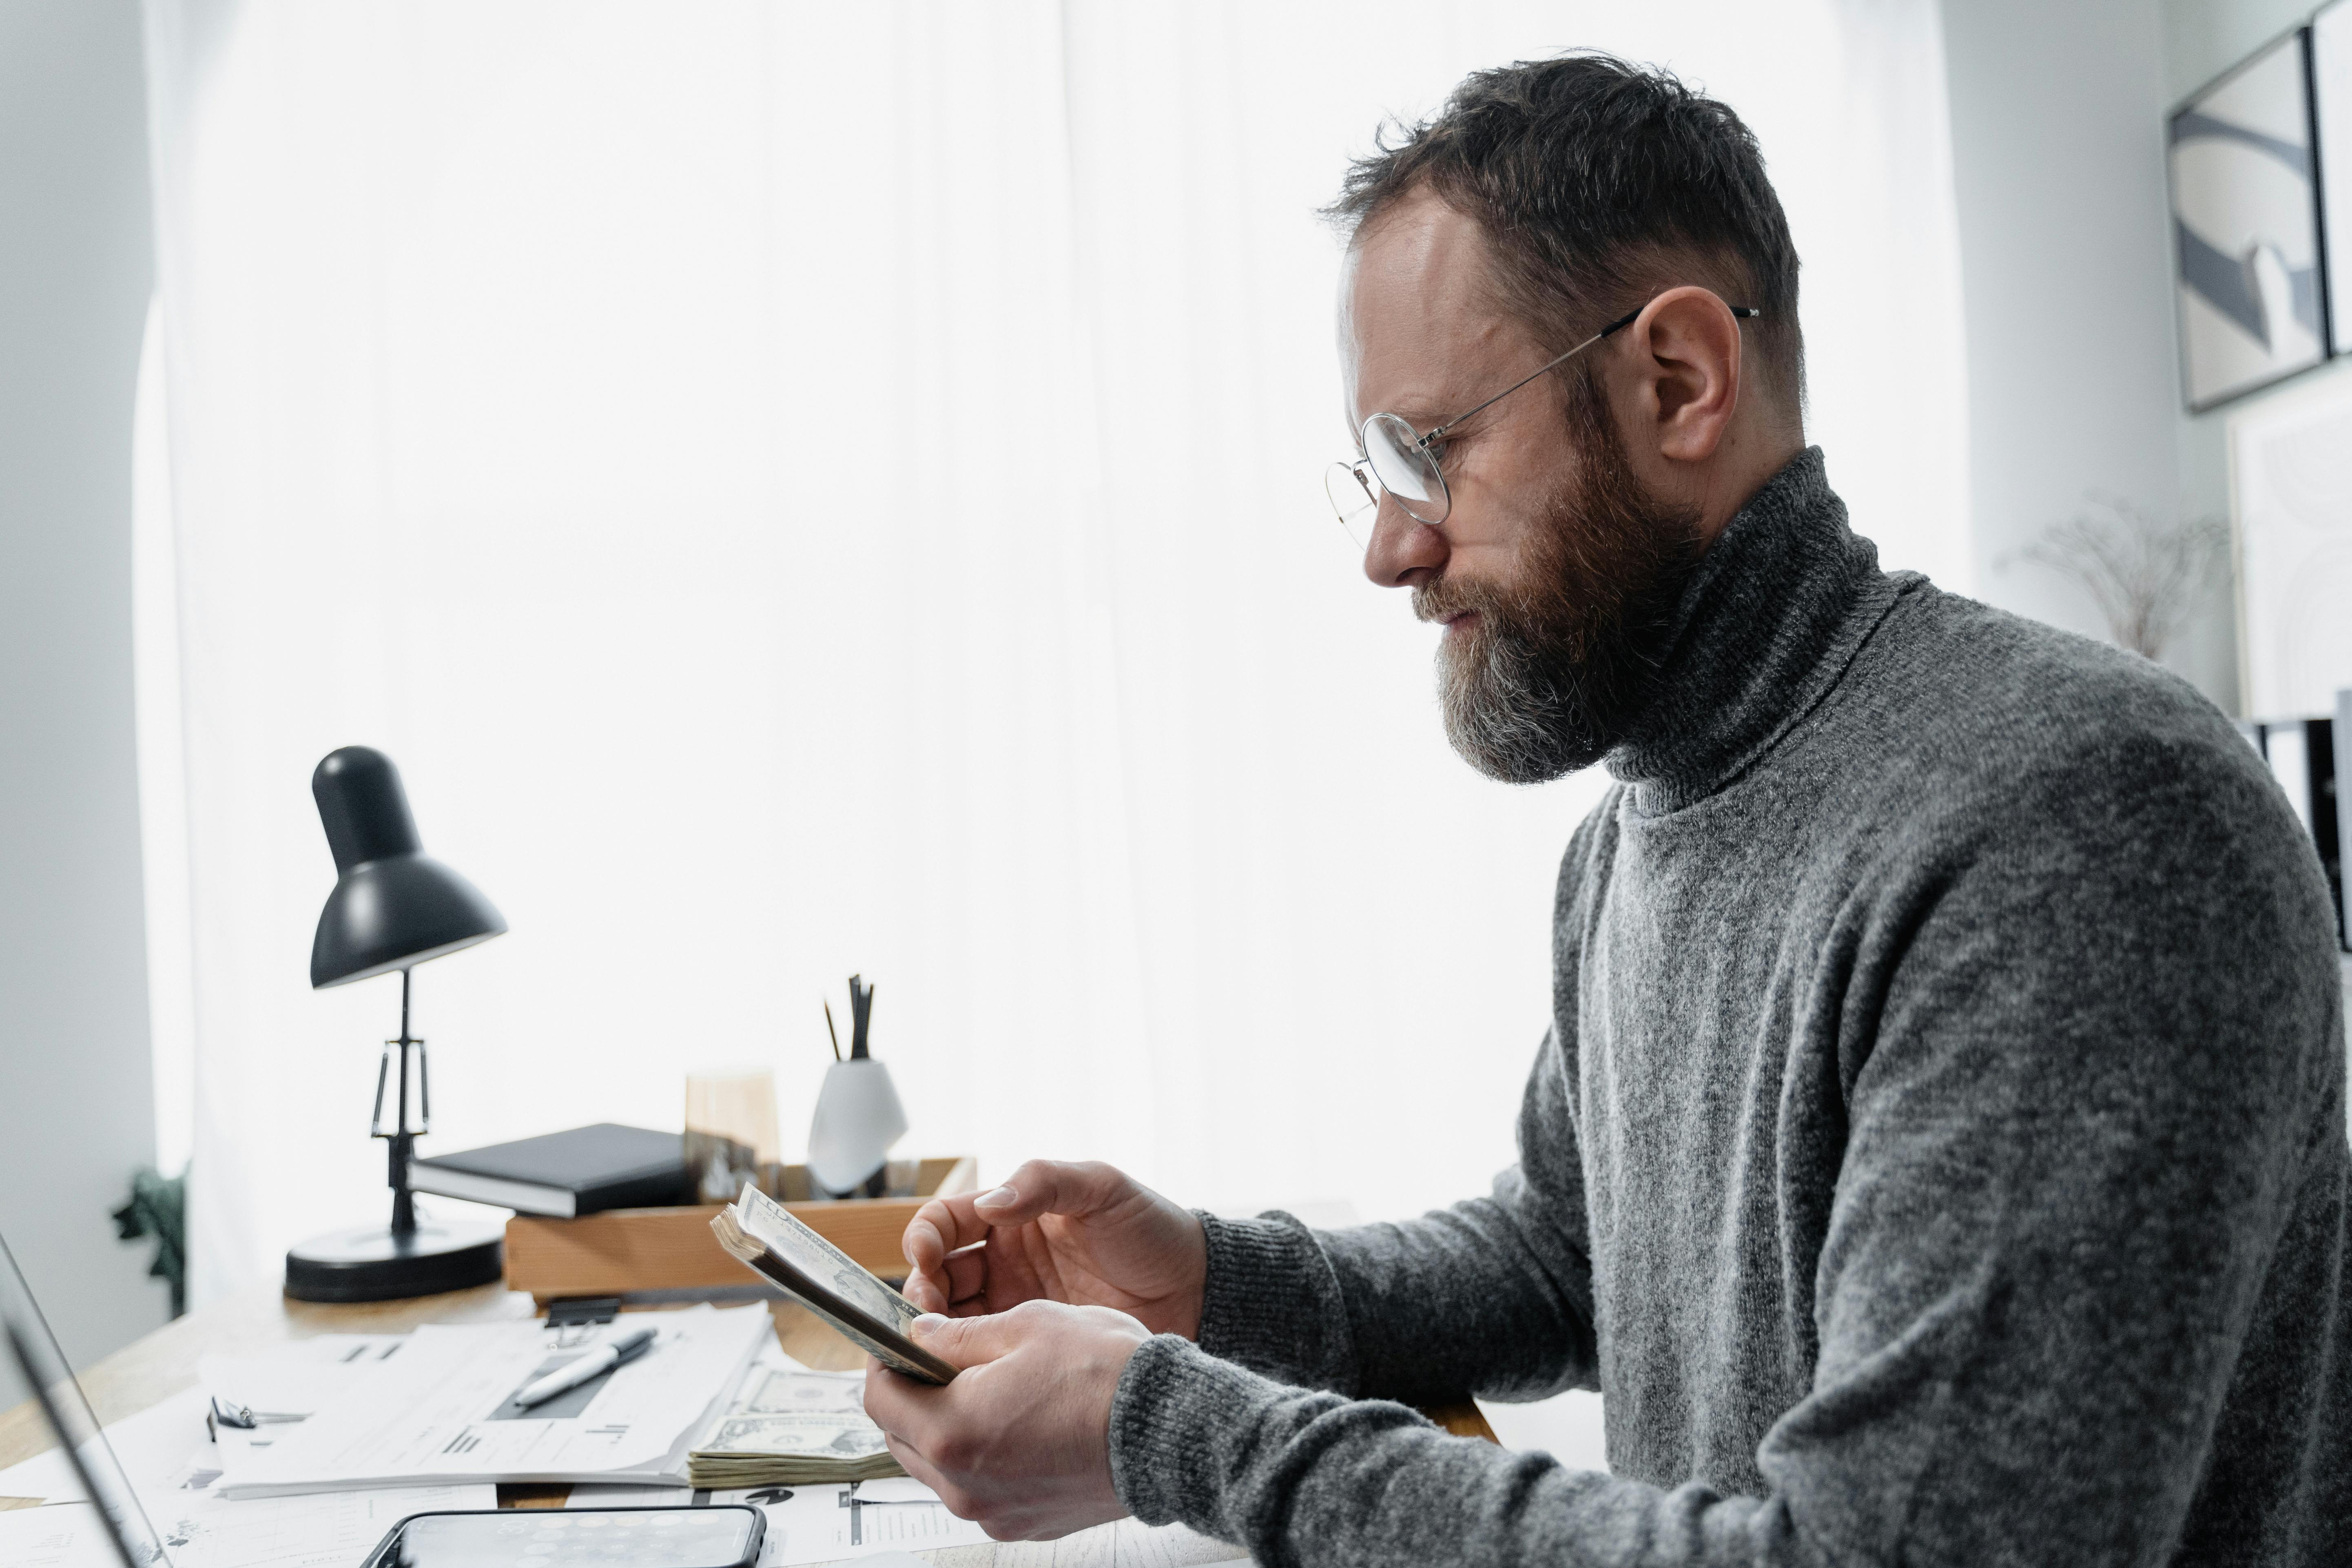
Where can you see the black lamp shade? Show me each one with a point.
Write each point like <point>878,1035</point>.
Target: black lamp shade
<point>393,906</point>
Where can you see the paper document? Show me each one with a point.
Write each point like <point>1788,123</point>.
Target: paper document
<point>298,1379</point>
<point>441,1409</point>
<point>883,1520</point>
<point>151,1446</point>
<point>199,1528</point>
<point>63,1535</point>
<point>826,1522</point>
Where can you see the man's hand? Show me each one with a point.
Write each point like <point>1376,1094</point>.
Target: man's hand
<point>1020,1442</point>
<point>1083,1234</point>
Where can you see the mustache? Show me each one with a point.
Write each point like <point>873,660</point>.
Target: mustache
<point>1445,597</point>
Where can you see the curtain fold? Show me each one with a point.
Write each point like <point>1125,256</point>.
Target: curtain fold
<point>802,490</point>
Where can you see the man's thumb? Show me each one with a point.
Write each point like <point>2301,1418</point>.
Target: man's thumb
<point>966,1342</point>
<point>1053,1186</point>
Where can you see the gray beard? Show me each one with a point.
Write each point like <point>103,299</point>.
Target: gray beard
<point>1510,715</point>
<point>1556,671</point>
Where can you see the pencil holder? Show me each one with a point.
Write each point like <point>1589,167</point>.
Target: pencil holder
<point>730,1130</point>
<point>858,1117</point>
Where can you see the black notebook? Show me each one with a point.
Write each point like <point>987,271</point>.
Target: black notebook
<point>566,1174</point>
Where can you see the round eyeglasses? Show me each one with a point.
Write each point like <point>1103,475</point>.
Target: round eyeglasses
<point>1400,461</point>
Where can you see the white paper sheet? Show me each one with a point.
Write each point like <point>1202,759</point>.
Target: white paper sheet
<point>63,1535</point>
<point>199,1528</point>
<point>151,1446</point>
<point>439,1411</point>
<point>822,1523</point>
<point>813,1526</point>
<point>810,1524</point>
<point>296,1380</point>
<point>44,1478</point>
<point>300,1378</point>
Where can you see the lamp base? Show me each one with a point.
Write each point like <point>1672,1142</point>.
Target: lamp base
<point>370,1264</point>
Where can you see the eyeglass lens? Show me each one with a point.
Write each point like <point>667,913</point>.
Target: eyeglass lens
<point>1404,468</point>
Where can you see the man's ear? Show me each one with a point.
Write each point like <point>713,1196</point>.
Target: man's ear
<point>1687,354</point>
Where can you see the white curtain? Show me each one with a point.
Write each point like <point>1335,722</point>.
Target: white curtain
<point>810,487</point>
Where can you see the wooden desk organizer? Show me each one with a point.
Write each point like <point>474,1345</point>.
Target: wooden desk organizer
<point>624,1251</point>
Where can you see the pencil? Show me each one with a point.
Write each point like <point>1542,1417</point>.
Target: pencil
<point>829,1031</point>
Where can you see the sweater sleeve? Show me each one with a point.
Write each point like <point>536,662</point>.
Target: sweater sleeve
<point>1493,1296</point>
<point>1300,1477</point>
<point>2095,1089</point>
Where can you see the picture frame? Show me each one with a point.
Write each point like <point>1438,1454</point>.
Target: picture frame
<point>2290,520</point>
<point>2331,113</point>
<point>2251,282</point>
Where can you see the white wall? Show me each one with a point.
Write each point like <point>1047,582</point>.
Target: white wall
<point>2058,163</point>
<point>2202,39</point>
<point>75,1112</point>
<point>2205,37</point>
<point>2066,253</point>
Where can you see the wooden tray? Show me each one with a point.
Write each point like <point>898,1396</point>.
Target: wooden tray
<point>626,1251</point>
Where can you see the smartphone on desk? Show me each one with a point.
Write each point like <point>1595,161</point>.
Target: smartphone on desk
<point>726,1536</point>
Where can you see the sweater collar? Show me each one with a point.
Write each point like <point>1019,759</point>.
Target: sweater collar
<point>1778,606</point>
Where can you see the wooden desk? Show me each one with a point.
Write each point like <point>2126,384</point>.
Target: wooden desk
<point>150,1370</point>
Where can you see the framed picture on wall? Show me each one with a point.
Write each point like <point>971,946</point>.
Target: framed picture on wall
<point>2245,227</point>
<point>2331,105</point>
<point>2291,508</point>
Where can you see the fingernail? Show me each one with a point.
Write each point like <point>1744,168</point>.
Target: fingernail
<point>928,1323</point>
<point>999,1199</point>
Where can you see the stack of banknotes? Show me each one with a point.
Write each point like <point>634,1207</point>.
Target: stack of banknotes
<point>791,1426</point>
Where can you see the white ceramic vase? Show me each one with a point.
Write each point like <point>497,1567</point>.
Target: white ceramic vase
<point>858,1117</point>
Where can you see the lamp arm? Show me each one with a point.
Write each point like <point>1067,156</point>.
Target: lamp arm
<point>402,1136</point>
<point>382,1070</point>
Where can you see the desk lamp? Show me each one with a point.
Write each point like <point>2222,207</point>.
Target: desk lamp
<point>393,908</point>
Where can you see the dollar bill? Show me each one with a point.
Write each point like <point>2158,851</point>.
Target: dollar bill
<point>771,1390</point>
<point>786,1473</point>
<point>790,1427</point>
<point>796,1432</point>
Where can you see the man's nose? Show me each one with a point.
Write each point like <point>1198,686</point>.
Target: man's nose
<point>1402,547</point>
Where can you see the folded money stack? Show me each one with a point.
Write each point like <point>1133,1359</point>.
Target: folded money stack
<point>791,1426</point>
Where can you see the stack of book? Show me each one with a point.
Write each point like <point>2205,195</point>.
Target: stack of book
<point>565,1174</point>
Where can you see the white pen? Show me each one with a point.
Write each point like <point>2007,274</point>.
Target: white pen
<point>572,1374</point>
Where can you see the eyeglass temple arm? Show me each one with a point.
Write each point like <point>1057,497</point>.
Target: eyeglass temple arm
<point>1741,313</point>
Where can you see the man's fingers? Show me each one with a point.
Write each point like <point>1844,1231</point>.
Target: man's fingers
<point>939,1228</point>
<point>925,1295</point>
<point>900,1406</point>
<point>967,1274</point>
<point>969,1341</point>
<point>958,1280</point>
<point>1053,1186</point>
<point>922,1245</point>
<point>911,1461</point>
<point>906,1411</point>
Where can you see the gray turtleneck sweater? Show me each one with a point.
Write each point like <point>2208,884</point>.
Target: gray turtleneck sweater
<point>1936,1156</point>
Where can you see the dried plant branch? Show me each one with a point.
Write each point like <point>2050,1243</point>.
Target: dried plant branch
<point>2145,576</point>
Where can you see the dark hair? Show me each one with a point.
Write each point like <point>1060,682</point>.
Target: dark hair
<point>1599,182</point>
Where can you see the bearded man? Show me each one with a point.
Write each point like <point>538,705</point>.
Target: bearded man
<point>1938,1154</point>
